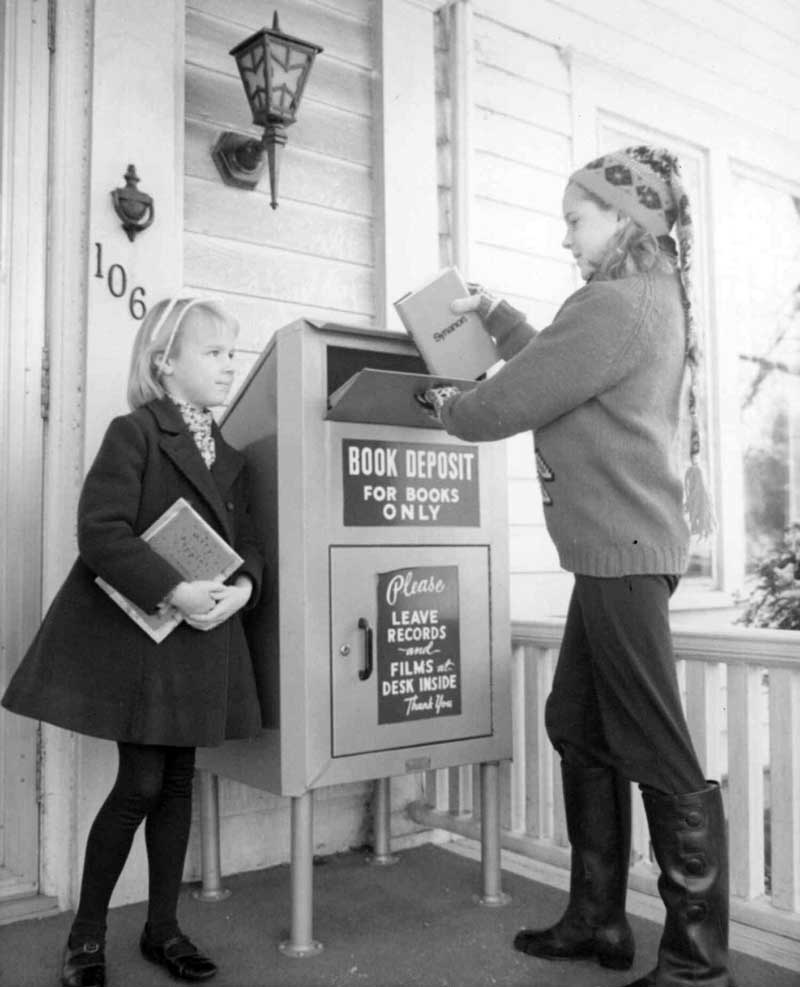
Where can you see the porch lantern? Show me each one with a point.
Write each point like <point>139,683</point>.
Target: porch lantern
<point>274,68</point>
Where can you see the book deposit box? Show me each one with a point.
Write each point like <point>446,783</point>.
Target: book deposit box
<point>381,643</point>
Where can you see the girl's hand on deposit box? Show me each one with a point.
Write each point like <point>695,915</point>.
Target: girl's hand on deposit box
<point>434,398</point>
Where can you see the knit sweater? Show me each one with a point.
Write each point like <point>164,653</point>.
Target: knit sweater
<point>600,388</point>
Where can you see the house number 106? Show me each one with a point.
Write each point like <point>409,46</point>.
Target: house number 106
<point>116,277</point>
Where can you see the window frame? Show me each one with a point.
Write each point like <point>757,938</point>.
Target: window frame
<point>745,171</point>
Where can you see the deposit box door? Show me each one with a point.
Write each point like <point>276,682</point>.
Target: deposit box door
<point>411,660</point>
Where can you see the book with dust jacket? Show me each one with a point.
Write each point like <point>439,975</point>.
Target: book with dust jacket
<point>192,547</point>
<point>451,345</point>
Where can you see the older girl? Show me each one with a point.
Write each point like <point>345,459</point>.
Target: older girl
<point>93,670</point>
<point>601,389</point>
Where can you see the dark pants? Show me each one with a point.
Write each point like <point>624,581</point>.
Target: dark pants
<point>154,784</point>
<point>615,697</point>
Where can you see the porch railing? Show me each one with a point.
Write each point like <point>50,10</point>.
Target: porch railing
<point>741,691</point>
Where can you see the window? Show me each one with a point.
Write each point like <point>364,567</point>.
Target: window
<point>767,336</point>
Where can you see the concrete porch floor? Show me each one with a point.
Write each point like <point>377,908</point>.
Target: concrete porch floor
<point>415,924</point>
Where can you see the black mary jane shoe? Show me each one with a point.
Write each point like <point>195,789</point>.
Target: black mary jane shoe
<point>180,956</point>
<point>84,966</point>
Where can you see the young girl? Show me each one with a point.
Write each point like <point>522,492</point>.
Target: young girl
<point>93,670</point>
<point>601,388</point>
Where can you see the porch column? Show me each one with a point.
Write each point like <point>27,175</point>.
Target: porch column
<point>407,213</point>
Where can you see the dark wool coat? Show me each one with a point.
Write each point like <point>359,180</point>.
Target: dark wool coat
<point>90,668</point>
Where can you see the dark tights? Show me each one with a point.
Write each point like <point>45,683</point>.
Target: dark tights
<point>153,783</point>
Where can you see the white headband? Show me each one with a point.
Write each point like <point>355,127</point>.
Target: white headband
<point>190,300</point>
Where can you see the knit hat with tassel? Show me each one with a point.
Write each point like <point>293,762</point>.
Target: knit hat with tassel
<point>645,184</point>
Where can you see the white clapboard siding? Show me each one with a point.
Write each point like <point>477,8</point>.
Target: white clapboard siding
<point>512,96</point>
<point>503,180</point>
<point>547,278</point>
<point>313,256</point>
<point>601,31</point>
<point>343,29</point>
<point>268,272</point>
<point>259,318</point>
<point>777,17</point>
<point>748,58</point>
<point>500,224</point>
<point>524,141</point>
<point>305,176</point>
<point>210,209</point>
<point>519,55</point>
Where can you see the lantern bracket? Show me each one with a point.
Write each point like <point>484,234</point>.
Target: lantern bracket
<point>239,159</point>
<point>274,68</point>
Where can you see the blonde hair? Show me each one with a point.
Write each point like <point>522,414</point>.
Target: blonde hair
<point>160,336</point>
<point>632,249</point>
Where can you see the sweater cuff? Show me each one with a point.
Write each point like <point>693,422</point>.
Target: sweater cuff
<point>509,328</point>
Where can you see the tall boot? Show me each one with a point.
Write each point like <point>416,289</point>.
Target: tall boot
<point>597,802</point>
<point>690,846</point>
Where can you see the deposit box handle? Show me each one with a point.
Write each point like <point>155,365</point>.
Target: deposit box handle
<point>365,672</point>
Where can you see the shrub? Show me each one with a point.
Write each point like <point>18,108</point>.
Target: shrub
<point>775,599</point>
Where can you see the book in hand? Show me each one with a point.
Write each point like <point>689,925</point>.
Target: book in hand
<point>451,345</point>
<point>192,547</point>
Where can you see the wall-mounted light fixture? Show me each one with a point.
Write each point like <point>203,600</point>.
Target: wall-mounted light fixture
<point>274,68</point>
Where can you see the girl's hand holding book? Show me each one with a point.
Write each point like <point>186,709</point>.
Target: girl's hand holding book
<point>193,598</point>
<point>478,300</point>
<point>228,600</point>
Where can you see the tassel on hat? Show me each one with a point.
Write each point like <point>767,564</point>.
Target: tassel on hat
<point>697,502</point>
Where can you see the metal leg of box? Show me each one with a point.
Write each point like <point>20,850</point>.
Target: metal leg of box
<point>211,875</point>
<point>382,810</point>
<point>301,943</point>
<point>492,895</point>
